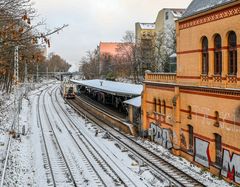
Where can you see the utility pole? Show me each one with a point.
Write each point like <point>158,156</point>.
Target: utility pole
<point>16,65</point>
<point>26,85</point>
<point>16,90</point>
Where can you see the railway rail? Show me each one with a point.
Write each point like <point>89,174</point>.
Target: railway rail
<point>174,175</point>
<point>87,161</point>
<point>88,144</point>
<point>58,170</point>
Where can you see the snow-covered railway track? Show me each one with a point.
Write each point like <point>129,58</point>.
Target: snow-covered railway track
<point>164,168</point>
<point>75,155</point>
<point>57,169</point>
<point>110,173</point>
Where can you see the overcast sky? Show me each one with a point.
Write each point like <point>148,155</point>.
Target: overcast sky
<point>92,21</point>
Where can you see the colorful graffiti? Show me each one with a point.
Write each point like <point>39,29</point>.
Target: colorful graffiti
<point>225,116</point>
<point>229,163</point>
<point>231,166</point>
<point>201,155</point>
<point>161,135</point>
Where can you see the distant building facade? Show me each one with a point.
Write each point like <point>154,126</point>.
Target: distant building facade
<point>156,42</point>
<point>166,18</point>
<point>165,44</point>
<point>196,112</point>
<point>145,46</point>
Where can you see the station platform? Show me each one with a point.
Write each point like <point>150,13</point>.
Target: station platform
<point>122,100</point>
<point>108,109</point>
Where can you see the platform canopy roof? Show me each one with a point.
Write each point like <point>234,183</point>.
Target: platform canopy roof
<point>136,101</point>
<point>112,87</point>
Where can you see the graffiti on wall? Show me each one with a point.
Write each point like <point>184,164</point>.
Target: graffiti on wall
<point>231,166</point>
<point>201,155</point>
<point>230,163</point>
<point>225,116</point>
<point>161,135</point>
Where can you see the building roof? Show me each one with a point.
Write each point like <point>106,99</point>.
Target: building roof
<point>112,87</point>
<point>173,55</point>
<point>198,6</point>
<point>136,101</point>
<point>176,12</point>
<point>148,26</point>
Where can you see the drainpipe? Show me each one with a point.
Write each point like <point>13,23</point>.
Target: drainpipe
<point>177,122</point>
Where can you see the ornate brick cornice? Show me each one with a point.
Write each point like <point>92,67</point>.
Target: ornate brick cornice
<point>199,90</point>
<point>221,14</point>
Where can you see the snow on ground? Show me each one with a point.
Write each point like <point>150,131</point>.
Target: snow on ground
<point>20,169</point>
<point>6,120</point>
<point>35,141</point>
<point>132,166</point>
<point>26,162</point>
<point>206,177</point>
<point>126,160</point>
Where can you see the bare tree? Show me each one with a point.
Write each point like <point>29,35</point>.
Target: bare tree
<point>165,47</point>
<point>128,50</point>
<point>55,64</point>
<point>16,17</point>
<point>90,65</point>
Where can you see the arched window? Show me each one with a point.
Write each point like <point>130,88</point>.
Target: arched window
<point>155,105</point>
<point>218,148</point>
<point>160,106</point>
<point>166,16</point>
<point>205,56</point>
<point>189,112</point>
<point>164,107</point>
<point>217,55</point>
<point>232,53</point>
<point>190,139</point>
<point>216,124</point>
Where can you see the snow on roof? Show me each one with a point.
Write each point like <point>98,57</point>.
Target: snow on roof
<point>112,86</point>
<point>173,55</point>
<point>198,6</point>
<point>136,101</point>
<point>177,13</point>
<point>147,25</point>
